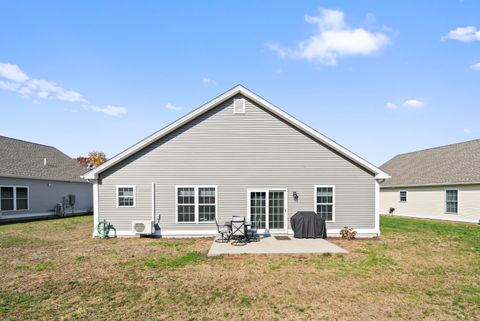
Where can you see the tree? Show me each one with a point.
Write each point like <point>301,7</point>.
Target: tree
<point>97,158</point>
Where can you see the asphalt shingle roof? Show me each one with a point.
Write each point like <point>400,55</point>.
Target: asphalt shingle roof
<point>444,165</point>
<point>19,158</point>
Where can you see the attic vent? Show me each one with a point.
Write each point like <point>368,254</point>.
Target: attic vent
<point>239,106</point>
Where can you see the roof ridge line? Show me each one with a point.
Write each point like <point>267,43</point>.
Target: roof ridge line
<point>437,147</point>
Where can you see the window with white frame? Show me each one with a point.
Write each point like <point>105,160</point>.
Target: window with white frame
<point>13,198</point>
<point>325,202</point>
<point>125,196</point>
<point>451,200</point>
<point>196,204</point>
<point>403,196</point>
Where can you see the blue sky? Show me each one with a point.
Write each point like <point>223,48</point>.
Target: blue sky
<point>379,77</point>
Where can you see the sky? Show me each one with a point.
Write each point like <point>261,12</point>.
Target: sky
<point>378,77</point>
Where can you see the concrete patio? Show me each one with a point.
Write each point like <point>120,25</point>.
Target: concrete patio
<point>270,245</point>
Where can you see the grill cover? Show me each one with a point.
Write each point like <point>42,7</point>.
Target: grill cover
<point>308,225</point>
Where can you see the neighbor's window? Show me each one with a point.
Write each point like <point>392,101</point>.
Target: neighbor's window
<point>196,204</point>
<point>325,202</point>
<point>126,196</point>
<point>21,200</point>
<point>13,198</point>
<point>452,200</point>
<point>403,196</point>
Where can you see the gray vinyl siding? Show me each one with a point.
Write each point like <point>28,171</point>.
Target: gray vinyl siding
<point>43,198</point>
<point>236,152</point>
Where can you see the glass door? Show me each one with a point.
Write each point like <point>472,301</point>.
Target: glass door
<point>268,210</point>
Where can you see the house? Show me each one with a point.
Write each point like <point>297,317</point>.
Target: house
<point>38,180</point>
<point>440,183</point>
<point>236,155</point>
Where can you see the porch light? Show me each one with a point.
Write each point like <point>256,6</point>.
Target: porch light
<point>295,196</point>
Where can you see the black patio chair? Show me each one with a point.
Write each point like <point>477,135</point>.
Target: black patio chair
<point>224,232</point>
<point>238,235</point>
<point>252,231</point>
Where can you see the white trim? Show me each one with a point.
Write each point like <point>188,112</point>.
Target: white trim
<point>205,233</point>
<point>153,202</point>
<point>377,207</point>
<point>333,200</point>
<point>379,174</point>
<point>95,208</point>
<point>267,207</point>
<point>15,199</point>
<point>196,203</point>
<point>458,200</point>
<point>400,196</point>
<point>243,107</point>
<point>134,196</point>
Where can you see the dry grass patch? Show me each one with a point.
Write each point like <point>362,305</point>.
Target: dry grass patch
<point>417,270</point>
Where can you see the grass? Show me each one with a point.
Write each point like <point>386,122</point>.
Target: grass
<point>417,270</point>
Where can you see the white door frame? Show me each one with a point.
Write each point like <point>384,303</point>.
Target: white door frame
<point>267,207</point>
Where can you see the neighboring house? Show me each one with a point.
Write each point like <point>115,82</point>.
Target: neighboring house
<point>236,155</point>
<point>441,183</point>
<point>38,180</point>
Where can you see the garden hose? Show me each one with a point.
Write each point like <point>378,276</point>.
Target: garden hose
<point>103,229</point>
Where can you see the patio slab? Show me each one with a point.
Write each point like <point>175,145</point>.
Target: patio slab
<point>270,245</point>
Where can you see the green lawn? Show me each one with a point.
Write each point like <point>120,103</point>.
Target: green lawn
<point>417,270</point>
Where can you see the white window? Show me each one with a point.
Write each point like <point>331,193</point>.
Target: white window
<point>451,197</point>
<point>325,202</point>
<point>196,204</point>
<point>125,196</point>
<point>13,198</point>
<point>239,106</point>
<point>403,196</point>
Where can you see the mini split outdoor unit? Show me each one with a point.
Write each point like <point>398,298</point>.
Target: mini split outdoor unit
<point>143,227</point>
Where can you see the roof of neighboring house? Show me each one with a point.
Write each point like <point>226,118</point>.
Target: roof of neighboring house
<point>239,89</point>
<point>444,165</point>
<point>23,159</point>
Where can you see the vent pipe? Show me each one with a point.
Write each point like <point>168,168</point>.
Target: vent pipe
<point>45,161</point>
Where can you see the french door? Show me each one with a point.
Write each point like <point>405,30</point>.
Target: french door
<point>267,209</point>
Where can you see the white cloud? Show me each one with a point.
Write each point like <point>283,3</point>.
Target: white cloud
<point>16,80</point>
<point>463,34</point>
<point>467,130</point>
<point>12,72</point>
<point>209,81</point>
<point>391,106</point>
<point>276,48</point>
<point>413,103</point>
<point>173,107</point>
<point>110,110</point>
<point>476,66</point>
<point>333,39</point>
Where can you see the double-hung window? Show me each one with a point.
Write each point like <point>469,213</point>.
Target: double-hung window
<point>13,198</point>
<point>125,196</point>
<point>196,204</point>
<point>451,196</point>
<point>325,202</point>
<point>403,196</point>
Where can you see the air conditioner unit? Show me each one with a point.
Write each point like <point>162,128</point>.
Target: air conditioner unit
<point>143,227</point>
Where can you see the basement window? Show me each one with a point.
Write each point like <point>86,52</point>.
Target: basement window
<point>239,106</point>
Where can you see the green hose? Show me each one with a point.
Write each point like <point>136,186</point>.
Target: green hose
<point>103,229</point>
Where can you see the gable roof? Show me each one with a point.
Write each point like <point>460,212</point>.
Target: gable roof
<point>444,165</point>
<point>93,174</point>
<point>23,159</point>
